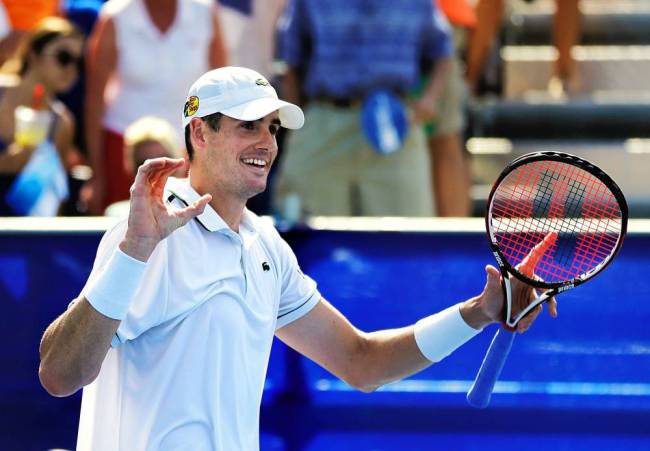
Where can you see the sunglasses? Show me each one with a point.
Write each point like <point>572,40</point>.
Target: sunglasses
<point>64,58</point>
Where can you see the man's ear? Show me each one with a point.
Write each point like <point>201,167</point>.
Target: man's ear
<point>197,133</point>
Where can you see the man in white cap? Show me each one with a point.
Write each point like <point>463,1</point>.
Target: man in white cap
<point>171,335</point>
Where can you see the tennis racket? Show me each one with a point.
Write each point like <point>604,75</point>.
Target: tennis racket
<point>554,221</point>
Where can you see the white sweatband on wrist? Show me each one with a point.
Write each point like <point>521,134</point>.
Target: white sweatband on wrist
<point>439,335</point>
<point>112,291</point>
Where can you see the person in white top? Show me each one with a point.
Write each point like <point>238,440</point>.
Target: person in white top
<point>171,335</point>
<point>5,26</point>
<point>249,33</point>
<point>143,55</point>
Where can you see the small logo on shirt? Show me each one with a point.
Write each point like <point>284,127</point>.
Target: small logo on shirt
<point>266,266</point>
<point>261,82</point>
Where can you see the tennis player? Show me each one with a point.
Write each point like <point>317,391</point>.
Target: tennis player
<point>171,335</point>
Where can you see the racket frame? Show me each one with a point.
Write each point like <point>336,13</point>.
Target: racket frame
<point>507,269</point>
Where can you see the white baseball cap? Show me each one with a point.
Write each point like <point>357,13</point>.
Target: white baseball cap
<point>239,93</point>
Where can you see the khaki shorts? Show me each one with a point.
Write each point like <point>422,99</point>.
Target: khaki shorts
<point>334,171</point>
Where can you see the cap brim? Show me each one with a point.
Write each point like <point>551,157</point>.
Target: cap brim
<point>291,116</point>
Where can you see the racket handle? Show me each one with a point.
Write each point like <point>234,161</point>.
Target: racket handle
<point>481,391</point>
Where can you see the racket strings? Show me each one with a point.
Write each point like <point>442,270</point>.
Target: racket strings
<point>542,197</point>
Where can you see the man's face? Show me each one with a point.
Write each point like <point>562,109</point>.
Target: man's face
<point>238,157</point>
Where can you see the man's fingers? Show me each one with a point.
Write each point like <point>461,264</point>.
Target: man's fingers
<point>161,170</point>
<point>160,179</point>
<point>493,275</point>
<point>152,175</point>
<point>194,209</point>
<point>152,167</point>
<point>525,323</point>
<point>552,307</point>
<point>529,263</point>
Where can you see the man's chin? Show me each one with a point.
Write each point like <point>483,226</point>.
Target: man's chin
<point>255,191</point>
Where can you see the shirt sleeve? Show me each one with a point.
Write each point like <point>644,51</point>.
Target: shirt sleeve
<point>438,39</point>
<point>291,33</point>
<point>299,293</point>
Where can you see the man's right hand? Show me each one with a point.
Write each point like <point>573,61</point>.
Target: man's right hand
<point>150,219</point>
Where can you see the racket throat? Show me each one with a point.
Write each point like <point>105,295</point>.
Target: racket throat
<point>511,323</point>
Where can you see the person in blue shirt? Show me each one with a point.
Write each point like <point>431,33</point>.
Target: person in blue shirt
<point>338,53</point>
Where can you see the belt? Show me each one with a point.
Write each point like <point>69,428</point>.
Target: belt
<point>351,101</point>
<point>340,102</point>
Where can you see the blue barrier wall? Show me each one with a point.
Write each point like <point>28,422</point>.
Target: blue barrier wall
<point>584,377</point>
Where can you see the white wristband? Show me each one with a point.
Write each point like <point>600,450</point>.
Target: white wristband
<point>112,291</point>
<point>439,335</point>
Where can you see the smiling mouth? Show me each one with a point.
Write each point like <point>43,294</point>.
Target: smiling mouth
<point>255,162</point>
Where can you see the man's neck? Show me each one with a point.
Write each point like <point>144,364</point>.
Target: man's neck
<point>231,211</point>
<point>229,208</point>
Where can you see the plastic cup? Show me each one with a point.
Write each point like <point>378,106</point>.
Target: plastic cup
<point>31,126</point>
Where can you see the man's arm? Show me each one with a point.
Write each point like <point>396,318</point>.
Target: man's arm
<point>438,49</point>
<point>425,108</point>
<point>367,361</point>
<point>75,344</point>
<point>490,15</point>
<point>73,348</point>
<point>291,86</point>
<point>218,56</point>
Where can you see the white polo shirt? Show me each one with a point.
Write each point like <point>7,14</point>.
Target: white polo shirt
<point>187,366</point>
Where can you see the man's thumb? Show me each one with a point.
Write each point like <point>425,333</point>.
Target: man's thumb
<point>493,275</point>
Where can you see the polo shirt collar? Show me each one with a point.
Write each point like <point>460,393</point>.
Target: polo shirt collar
<point>209,219</point>
<point>182,190</point>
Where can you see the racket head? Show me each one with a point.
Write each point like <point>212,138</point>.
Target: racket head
<point>553,192</point>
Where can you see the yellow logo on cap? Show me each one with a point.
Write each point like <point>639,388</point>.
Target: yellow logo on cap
<point>261,82</point>
<point>191,106</point>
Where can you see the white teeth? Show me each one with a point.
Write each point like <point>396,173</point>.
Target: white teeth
<point>254,161</point>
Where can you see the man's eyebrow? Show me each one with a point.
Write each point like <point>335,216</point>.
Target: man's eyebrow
<point>275,121</point>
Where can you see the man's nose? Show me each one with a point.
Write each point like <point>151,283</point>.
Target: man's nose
<point>268,141</point>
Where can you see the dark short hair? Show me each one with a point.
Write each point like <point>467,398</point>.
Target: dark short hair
<point>213,122</point>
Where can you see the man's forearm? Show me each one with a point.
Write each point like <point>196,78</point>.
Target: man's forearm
<point>437,79</point>
<point>73,348</point>
<point>291,86</point>
<point>391,355</point>
<point>394,354</point>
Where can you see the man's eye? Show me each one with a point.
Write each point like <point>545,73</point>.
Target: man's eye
<point>274,129</point>
<point>248,125</point>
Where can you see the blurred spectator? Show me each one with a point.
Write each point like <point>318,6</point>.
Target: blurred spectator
<point>36,130</point>
<point>143,55</point>
<point>249,30</point>
<point>24,15</point>
<point>566,31</point>
<point>449,168</point>
<point>147,138</point>
<point>5,31</point>
<point>83,14</point>
<point>339,53</point>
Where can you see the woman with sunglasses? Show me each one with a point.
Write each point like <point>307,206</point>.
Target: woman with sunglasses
<point>46,63</point>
